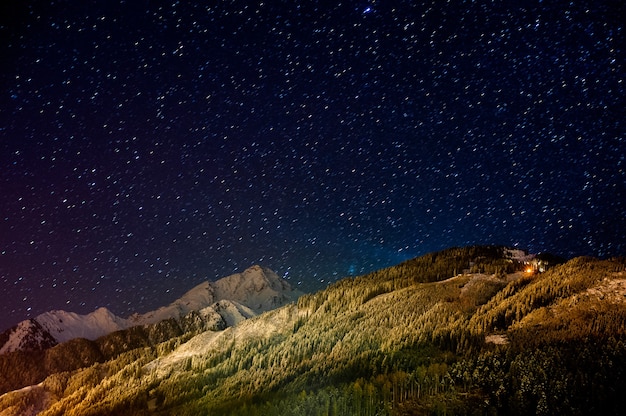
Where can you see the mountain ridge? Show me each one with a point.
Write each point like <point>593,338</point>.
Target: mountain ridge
<point>251,292</point>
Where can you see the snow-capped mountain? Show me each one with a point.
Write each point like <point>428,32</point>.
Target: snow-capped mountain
<point>27,335</point>
<point>256,288</point>
<point>228,300</point>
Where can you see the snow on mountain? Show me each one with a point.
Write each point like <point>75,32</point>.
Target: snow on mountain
<point>232,312</point>
<point>229,300</point>
<point>27,336</point>
<point>64,326</point>
<point>197,298</point>
<point>258,288</point>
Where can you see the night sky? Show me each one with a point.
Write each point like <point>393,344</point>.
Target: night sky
<point>148,146</point>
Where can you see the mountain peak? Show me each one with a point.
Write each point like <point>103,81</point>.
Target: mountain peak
<point>257,287</point>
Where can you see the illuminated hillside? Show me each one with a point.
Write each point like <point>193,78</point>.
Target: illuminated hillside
<point>411,339</point>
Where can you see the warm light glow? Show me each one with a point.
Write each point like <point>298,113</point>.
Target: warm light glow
<point>529,270</point>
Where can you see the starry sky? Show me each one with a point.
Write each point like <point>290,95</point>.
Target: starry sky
<point>147,146</point>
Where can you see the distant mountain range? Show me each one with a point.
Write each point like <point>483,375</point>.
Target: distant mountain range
<point>217,305</point>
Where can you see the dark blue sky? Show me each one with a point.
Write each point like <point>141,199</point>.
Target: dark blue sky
<point>147,146</point>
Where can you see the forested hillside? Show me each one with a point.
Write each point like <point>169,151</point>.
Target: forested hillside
<point>462,331</point>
